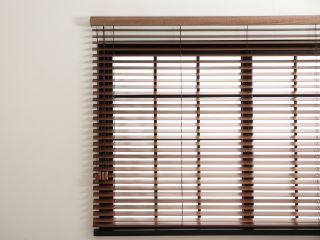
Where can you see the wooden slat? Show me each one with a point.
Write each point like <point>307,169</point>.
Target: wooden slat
<point>275,61</point>
<point>275,162</point>
<point>213,187</point>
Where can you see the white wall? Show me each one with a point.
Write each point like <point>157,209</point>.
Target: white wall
<point>45,134</point>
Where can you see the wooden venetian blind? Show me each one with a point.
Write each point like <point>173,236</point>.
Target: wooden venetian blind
<point>204,127</point>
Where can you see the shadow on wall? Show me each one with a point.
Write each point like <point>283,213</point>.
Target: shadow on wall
<point>85,180</point>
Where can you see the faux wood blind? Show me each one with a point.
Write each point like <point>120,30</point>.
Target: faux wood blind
<point>206,128</point>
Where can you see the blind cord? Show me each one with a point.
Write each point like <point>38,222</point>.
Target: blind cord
<point>181,125</point>
<point>113,119</point>
<point>317,87</point>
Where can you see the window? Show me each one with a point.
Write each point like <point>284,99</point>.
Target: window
<point>206,130</point>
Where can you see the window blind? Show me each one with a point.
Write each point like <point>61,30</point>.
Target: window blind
<point>206,129</point>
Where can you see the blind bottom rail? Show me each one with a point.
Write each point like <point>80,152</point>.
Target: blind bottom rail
<point>205,231</point>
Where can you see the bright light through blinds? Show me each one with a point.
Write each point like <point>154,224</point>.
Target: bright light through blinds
<point>214,126</point>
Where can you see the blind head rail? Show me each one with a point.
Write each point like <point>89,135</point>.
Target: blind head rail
<point>205,20</point>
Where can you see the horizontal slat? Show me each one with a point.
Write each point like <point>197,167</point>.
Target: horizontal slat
<point>275,111</point>
<point>201,61</point>
<point>224,224</point>
<point>245,96</point>
<point>275,125</point>
<point>118,88</point>
<point>210,80</point>
<point>206,68</point>
<point>225,150</point>
<point>204,213</point>
<point>176,138</point>
<point>172,187</point>
<point>212,223</point>
<point>206,131</point>
<point>205,74</point>
<point>212,156</point>
<point>213,181</point>
<point>211,29</point>
<point>271,117</point>
<point>208,36</point>
<point>217,174</point>
<point>212,105</point>
<point>255,97</point>
<point>205,169</point>
<point>115,48</point>
<point>213,143</point>
<point>275,162</point>
<point>186,43</point>
<point>207,207</point>
<point>186,54</point>
<point>209,93</point>
<point>205,194</point>
<point>211,200</point>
